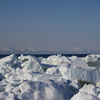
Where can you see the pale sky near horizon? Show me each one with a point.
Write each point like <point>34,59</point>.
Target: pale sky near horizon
<point>49,24</point>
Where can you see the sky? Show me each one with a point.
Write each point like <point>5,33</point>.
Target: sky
<point>50,24</point>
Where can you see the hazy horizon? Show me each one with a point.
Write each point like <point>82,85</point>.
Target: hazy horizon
<point>30,50</point>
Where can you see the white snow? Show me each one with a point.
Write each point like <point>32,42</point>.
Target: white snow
<point>53,70</point>
<point>79,71</point>
<point>8,61</point>
<point>30,64</point>
<point>7,64</point>
<point>55,60</point>
<point>54,78</point>
<point>87,92</point>
<point>92,58</point>
<point>80,63</point>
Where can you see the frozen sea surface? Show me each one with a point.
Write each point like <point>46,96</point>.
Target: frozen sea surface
<point>55,77</point>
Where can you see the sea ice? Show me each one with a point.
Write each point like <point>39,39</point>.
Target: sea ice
<point>53,70</point>
<point>48,90</point>
<point>54,60</point>
<point>30,63</point>
<point>53,78</point>
<point>79,70</point>
<point>8,61</point>
<point>87,92</point>
<point>7,64</point>
<point>92,58</point>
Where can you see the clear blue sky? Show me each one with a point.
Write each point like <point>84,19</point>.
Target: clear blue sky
<point>49,24</point>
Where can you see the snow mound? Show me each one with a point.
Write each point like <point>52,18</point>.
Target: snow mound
<point>7,96</point>
<point>30,63</point>
<point>17,77</point>
<point>87,92</point>
<point>79,70</point>
<point>54,60</point>
<point>80,63</point>
<point>7,64</point>
<point>36,90</point>
<point>92,58</point>
<point>39,90</point>
<point>72,58</point>
<point>53,70</point>
<point>8,61</point>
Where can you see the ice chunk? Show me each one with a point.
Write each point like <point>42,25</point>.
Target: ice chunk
<point>15,77</point>
<point>92,58</point>
<point>7,96</point>
<point>8,61</point>
<point>93,61</point>
<point>39,90</point>
<point>80,72</point>
<point>7,64</point>
<point>2,87</point>
<point>72,58</point>
<point>30,63</point>
<point>84,96</point>
<point>80,63</point>
<point>53,70</point>
<point>87,92</point>
<point>41,77</point>
<point>35,90</point>
<point>50,90</point>
<point>54,60</point>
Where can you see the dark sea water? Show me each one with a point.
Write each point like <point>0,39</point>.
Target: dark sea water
<point>46,55</point>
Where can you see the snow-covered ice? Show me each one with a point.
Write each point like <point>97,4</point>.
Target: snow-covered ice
<point>55,60</point>
<point>80,71</point>
<point>87,92</point>
<point>7,64</point>
<point>30,63</point>
<point>54,78</point>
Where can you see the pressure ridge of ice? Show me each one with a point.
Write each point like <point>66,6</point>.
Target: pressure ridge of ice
<point>54,78</point>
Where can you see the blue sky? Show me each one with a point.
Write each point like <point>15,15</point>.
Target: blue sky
<point>49,24</point>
